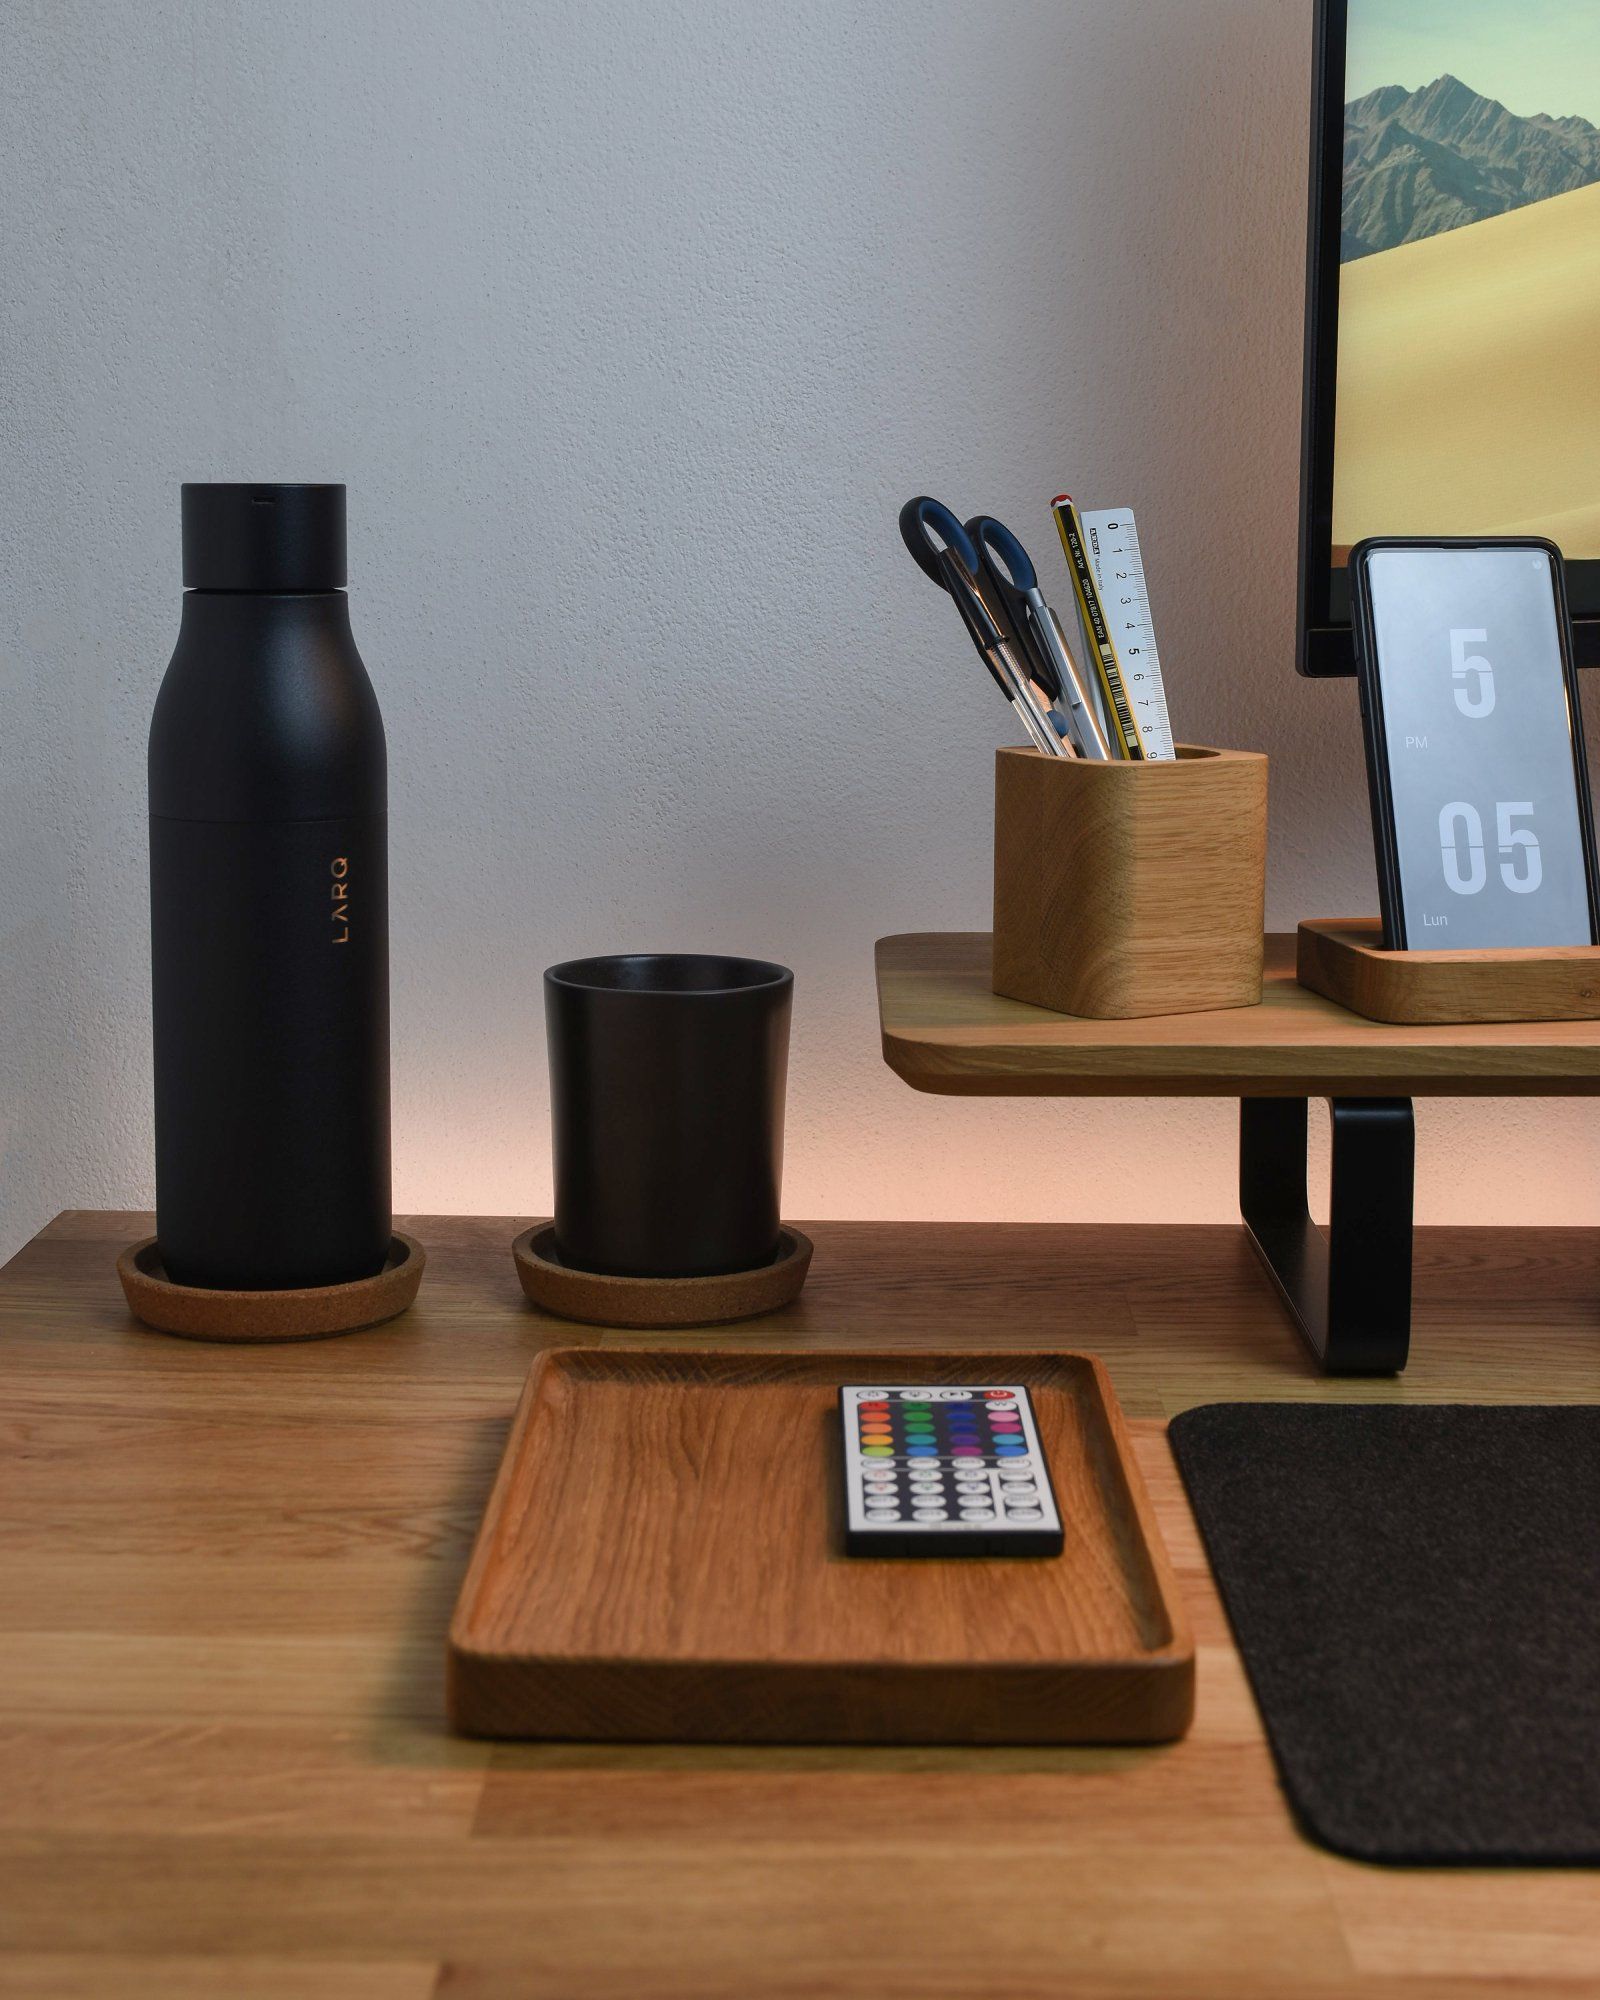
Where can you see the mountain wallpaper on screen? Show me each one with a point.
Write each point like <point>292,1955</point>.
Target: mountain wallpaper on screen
<point>1420,162</point>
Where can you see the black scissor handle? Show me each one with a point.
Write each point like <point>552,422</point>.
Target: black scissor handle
<point>1008,576</point>
<point>924,518</point>
<point>995,540</point>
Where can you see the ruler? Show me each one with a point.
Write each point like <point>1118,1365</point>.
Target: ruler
<point>1121,730</point>
<point>1118,566</point>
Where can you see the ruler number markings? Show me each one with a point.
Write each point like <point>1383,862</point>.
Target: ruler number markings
<point>1113,541</point>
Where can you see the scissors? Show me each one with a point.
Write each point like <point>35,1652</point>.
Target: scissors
<point>1008,572</point>
<point>992,579</point>
<point>943,550</point>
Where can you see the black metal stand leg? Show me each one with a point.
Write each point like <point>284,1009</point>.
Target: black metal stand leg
<point>1349,1289</point>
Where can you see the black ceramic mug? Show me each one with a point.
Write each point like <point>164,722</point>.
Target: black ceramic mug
<point>667,1075</point>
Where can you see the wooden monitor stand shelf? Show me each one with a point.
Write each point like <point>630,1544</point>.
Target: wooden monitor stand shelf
<point>1349,1287</point>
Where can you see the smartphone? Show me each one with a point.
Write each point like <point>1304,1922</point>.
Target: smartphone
<point>1475,761</point>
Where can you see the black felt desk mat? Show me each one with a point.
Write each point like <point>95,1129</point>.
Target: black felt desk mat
<point>1416,1595</point>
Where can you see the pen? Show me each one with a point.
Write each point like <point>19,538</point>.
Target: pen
<point>1082,722</point>
<point>1014,681</point>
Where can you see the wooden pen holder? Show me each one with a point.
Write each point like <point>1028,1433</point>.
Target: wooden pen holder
<point>1127,889</point>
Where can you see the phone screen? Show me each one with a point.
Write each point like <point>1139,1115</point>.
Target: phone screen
<point>1477,736</point>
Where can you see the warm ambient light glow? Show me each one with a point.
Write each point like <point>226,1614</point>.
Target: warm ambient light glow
<point>863,1146</point>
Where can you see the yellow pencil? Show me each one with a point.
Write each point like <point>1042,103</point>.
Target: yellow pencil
<point>1127,741</point>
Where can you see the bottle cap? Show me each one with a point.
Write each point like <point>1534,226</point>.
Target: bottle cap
<point>270,538</point>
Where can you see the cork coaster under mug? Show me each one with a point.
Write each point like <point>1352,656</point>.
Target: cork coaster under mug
<point>598,1299</point>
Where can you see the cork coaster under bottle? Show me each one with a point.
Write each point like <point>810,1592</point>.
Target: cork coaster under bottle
<point>201,1312</point>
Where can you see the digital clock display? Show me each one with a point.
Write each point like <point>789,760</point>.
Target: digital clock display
<point>1477,740</point>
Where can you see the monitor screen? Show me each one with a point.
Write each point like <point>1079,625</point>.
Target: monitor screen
<point>1453,383</point>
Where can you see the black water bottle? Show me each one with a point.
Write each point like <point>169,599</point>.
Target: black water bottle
<point>269,907</point>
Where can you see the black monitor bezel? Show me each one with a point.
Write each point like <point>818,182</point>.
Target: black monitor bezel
<point>1325,649</point>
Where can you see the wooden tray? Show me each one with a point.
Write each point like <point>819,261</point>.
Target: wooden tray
<point>662,1559</point>
<point>1343,959</point>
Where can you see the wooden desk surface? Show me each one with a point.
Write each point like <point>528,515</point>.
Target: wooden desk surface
<point>225,1576</point>
<point>945,1031</point>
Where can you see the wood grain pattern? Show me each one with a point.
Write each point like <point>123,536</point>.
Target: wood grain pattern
<point>945,1030</point>
<point>226,1576</point>
<point>1344,959</point>
<point>662,1559</point>
<point>1127,889</point>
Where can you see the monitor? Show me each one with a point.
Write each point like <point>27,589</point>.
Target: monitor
<point>1453,292</point>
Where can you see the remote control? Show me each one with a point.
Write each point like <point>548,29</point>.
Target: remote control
<point>945,1472</point>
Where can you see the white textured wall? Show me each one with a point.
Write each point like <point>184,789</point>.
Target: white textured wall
<point>630,326</point>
